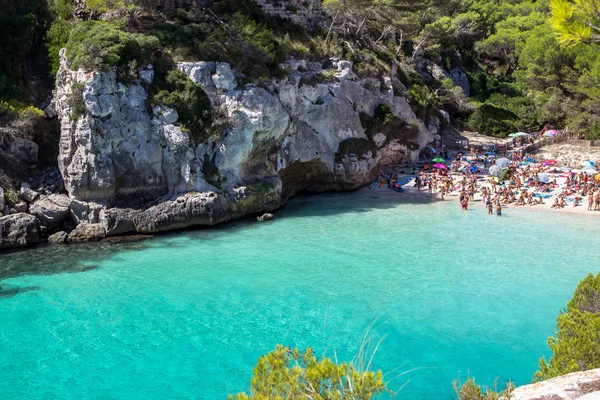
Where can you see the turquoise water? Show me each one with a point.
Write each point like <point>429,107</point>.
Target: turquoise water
<point>186,315</point>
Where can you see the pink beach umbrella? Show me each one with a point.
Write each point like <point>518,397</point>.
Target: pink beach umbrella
<point>548,163</point>
<point>551,132</point>
<point>439,166</point>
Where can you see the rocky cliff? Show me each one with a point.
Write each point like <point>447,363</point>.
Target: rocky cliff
<point>131,168</point>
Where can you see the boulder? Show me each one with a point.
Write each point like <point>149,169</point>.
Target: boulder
<point>265,217</point>
<point>19,230</point>
<point>87,233</point>
<point>58,237</point>
<point>584,385</point>
<point>191,209</point>
<point>51,210</point>
<point>21,207</point>
<point>460,79</point>
<point>28,194</point>
<point>83,212</point>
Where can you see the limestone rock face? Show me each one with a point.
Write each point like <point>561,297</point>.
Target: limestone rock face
<point>51,210</point>
<point>460,79</point>
<point>188,210</point>
<point>133,169</point>
<point>19,230</point>
<point>117,153</point>
<point>583,385</point>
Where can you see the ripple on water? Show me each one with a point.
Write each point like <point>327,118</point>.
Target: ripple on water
<point>186,315</point>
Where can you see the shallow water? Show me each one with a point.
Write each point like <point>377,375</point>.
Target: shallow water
<point>187,315</point>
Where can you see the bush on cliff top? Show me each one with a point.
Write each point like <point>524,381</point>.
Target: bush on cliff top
<point>101,45</point>
<point>290,374</point>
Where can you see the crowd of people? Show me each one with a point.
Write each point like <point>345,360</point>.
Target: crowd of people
<point>524,183</point>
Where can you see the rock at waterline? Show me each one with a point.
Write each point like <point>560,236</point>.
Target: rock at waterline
<point>87,233</point>
<point>51,210</point>
<point>265,217</point>
<point>58,237</point>
<point>19,230</point>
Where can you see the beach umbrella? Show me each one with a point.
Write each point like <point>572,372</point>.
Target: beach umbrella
<point>513,135</point>
<point>597,177</point>
<point>544,178</point>
<point>495,170</point>
<point>439,166</point>
<point>589,170</point>
<point>548,163</point>
<point>522,134</point>
<point>473,168</point>
<point>438,160</point>
<point>587,164</point>
<point>503,163</point>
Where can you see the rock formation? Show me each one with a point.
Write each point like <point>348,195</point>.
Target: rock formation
<point>19,230</point>
<point>583,385</point>
<point>133,169</point>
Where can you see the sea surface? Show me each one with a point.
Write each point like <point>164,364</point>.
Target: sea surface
<point>186,315</point>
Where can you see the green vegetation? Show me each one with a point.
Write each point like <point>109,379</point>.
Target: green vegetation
<point>576,21</point>
<point>470,390</point>
<point>23,25</point>
<point>576,346</point>
<point>290,374</point>
<point>76,101</point>
<point>102,45</point>
<point>258,187</point>
<point>177,91</point>
<point>530,63</point>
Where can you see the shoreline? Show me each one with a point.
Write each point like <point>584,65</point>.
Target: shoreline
<point>423,196</point>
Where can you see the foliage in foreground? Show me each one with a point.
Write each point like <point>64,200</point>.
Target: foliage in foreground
<point>292,375</point>
<point>576,346</point>
<point>470,390</point>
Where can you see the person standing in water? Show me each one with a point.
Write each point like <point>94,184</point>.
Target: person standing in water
<point>498,209</point>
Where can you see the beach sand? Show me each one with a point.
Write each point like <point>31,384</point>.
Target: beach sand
<point>411,195</point>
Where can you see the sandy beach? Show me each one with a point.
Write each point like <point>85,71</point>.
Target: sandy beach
<point>412,195</point>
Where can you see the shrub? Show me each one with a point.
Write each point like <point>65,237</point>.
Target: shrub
<point>290,374</point>
<point>576,346</point>
<point>190,101</point>
<point>76,101</point>
<point>102,45</point>
<point>470,390</point>
<point>493,120</point>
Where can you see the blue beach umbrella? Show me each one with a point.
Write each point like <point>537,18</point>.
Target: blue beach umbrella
<point>587,164</point>
<point>473,168</point>
<point>495,170</point>
<point>503,163</point>
<point>544,178</point>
